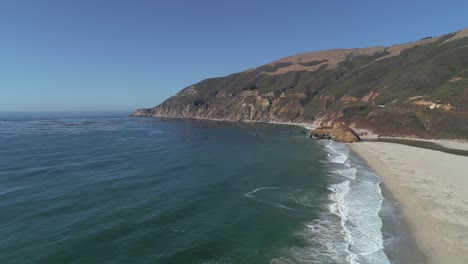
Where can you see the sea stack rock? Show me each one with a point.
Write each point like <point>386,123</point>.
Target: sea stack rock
<point>338,132</point>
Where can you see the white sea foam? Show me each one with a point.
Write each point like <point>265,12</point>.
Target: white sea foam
<point>339,192</point>
<point>286,198</point>
<point>281,260</point>
<point>349,173</point>
<point>351,231</point>
<point>218,261</point>
<point>326,243</point>
<point>252,193</point>
<point>305,200</point>
<point>337,153</point>
<point>365,225</point>
<point>325,236</point>
<point>358,201</point>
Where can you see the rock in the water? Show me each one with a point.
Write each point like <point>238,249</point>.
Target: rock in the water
<point>338,132</point>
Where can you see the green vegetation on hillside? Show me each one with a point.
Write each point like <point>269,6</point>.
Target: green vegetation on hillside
<point>379,89</point>
<point>457,86</point>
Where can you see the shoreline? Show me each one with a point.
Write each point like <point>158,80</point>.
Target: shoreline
<point>403,228</point>
<point>432,188</point>
<point>434,209</point>
<point>308,126</point>
<point>456,147</point>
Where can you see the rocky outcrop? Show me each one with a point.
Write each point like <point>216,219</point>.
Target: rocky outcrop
<point>338,132</point>
<point>347,99</point>
<point>434,105</point>
<point>370,96</point>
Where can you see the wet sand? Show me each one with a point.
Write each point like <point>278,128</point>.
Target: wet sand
<point>432,187</point>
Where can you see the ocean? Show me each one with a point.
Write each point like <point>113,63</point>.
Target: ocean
<point>107,188</point>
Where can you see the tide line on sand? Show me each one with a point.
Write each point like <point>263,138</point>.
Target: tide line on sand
<point>432,188</point>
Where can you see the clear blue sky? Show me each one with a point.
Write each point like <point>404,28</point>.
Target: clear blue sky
<point>121,55</point>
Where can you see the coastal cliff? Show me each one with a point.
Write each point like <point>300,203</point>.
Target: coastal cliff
<point>412,89</point>
<point>338,132</point>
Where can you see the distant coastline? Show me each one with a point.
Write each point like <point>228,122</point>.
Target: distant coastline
<point>401,90</point>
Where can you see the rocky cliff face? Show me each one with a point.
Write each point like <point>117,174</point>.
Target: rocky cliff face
<point>338,132</point>
<point>248,106</point>
<point>378,88</point>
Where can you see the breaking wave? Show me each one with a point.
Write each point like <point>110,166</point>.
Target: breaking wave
<point>349,229</point>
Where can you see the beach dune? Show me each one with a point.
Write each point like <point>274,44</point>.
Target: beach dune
<point>432,188</point>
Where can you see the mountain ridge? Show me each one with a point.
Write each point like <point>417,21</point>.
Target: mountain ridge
<point>418,88</point>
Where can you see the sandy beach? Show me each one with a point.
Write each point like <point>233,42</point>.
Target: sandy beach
<point>432,188</point>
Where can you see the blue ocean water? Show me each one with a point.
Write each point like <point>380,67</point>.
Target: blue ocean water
<point>100,188</point>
